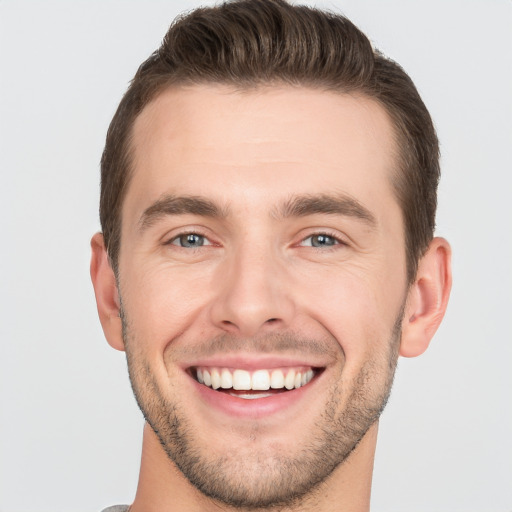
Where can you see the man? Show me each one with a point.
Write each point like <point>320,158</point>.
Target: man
<point>268,205</point>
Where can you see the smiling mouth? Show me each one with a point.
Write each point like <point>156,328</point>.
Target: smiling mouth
<point>254,384</point>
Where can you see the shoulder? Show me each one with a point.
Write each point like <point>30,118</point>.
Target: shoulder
<point>117,508</point>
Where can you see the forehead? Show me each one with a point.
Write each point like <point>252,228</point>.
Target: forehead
<point>254,144</point>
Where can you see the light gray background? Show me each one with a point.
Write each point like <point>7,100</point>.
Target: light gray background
<point>70,429</point>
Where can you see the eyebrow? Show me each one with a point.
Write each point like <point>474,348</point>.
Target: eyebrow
<point>336,204</point>
<point>179,205</point>
<point>298,206</point>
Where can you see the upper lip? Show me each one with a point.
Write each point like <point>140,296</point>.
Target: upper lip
<point>251,362</point>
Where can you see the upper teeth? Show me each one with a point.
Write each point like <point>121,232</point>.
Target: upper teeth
<point>259,380</point>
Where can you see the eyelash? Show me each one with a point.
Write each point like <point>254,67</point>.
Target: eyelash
<point>337,240</point>
<point>188,234</point>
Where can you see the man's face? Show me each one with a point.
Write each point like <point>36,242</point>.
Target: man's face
<point>261,246</point>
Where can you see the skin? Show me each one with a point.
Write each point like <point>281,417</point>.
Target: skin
<point>258,288</point>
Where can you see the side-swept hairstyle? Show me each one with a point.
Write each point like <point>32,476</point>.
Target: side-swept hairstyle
<point>247,43</point>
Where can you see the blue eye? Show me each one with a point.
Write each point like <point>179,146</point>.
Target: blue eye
<point>320,240</point>
<point>189,240</point>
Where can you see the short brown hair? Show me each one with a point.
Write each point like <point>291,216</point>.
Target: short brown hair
<point>247,43</point>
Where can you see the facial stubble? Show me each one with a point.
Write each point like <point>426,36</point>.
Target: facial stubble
<point>280,479</point>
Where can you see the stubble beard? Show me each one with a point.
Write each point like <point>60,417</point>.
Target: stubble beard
<point>279,480</point>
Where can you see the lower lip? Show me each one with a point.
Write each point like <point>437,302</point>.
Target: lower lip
<point>253,407</point>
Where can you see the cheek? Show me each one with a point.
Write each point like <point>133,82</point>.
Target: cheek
<point>357,307</point>
<point>160,303</point>
<point>355,304</point>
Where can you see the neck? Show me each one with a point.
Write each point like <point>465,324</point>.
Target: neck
<point>163,488</point>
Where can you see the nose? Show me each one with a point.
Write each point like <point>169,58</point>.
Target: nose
<point>252,294</point>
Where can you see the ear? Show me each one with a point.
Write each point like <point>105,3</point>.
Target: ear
<point>427,299</point>
<point>107,296</point>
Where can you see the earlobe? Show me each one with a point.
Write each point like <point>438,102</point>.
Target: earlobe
<point>427,299</point>
<point>107,296</point>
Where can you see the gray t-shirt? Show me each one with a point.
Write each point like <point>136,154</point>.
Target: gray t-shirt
<point>117,508</point>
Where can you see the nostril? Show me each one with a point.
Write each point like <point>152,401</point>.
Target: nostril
<point>250,326</point>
